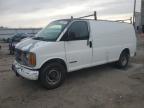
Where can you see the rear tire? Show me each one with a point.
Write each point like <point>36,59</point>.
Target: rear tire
<point>123,60</point>
<point>52,75</point>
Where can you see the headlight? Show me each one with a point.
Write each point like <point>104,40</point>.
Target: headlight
<point>30,59</point>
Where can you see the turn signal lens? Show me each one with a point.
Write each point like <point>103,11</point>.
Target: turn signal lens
<point>32,59</point>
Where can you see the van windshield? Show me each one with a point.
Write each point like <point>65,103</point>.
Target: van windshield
<point>52,31</point>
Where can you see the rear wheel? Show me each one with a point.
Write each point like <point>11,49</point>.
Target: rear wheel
<point>123,60</point>
<point>52,75</point>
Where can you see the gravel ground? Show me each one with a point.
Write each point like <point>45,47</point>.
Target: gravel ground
<point>98,87</point>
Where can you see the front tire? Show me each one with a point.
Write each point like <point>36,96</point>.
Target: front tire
<point>123,60</point>
<point>52,75</point>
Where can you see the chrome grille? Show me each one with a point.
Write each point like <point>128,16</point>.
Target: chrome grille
<point>18,56</point>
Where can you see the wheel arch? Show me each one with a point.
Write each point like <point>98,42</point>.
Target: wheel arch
<point>58,60</point>
<point>119,63</point>
<point>127,50</point>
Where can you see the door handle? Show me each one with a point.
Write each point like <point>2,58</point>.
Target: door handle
<point>90,44</point>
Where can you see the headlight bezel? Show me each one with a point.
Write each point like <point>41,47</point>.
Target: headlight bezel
<point>24,58</point>
<point>29,59</point>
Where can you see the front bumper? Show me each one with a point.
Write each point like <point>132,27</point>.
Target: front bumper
<point>24,72</point>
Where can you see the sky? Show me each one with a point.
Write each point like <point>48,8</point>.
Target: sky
<point>38,13</point>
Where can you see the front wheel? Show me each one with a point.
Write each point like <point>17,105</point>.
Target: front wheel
<point>123,60</point>
<point>52,75</point>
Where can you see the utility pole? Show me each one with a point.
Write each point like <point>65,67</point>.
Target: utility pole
<point>134,12</point>
<point>142,15</point>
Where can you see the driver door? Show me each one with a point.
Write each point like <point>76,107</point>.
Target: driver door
<point>78,50</point>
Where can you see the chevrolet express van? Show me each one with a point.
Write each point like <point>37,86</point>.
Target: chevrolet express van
<point>69,45</point>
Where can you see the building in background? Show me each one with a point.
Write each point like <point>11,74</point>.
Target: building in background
<point>142,15</point>
<point>138,21</point>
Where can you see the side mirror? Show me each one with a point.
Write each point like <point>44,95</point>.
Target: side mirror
<point>71,36</point>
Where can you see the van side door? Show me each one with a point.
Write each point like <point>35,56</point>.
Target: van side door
<point>78,51</point>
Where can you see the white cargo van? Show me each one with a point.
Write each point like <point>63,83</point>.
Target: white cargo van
<point>69,45</point>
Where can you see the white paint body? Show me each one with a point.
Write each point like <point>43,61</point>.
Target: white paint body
<point>109,39</point>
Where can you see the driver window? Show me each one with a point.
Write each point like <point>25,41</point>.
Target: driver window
<point>79,31</point>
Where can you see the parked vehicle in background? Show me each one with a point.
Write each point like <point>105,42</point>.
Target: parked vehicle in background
<point>142,28</point>
<point>15,39</point>
<point>73,44</point>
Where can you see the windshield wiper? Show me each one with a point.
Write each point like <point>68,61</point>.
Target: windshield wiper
<point>42,39</point>
<point>39,38</point>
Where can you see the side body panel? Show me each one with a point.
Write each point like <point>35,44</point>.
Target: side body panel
<point>110,39</point>
<point>48,51</point>
<point>78,54</point>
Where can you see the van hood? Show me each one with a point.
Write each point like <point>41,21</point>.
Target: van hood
<point>28,44</point>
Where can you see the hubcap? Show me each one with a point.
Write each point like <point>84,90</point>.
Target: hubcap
<point>53,76</point>
<point>124,60</point>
